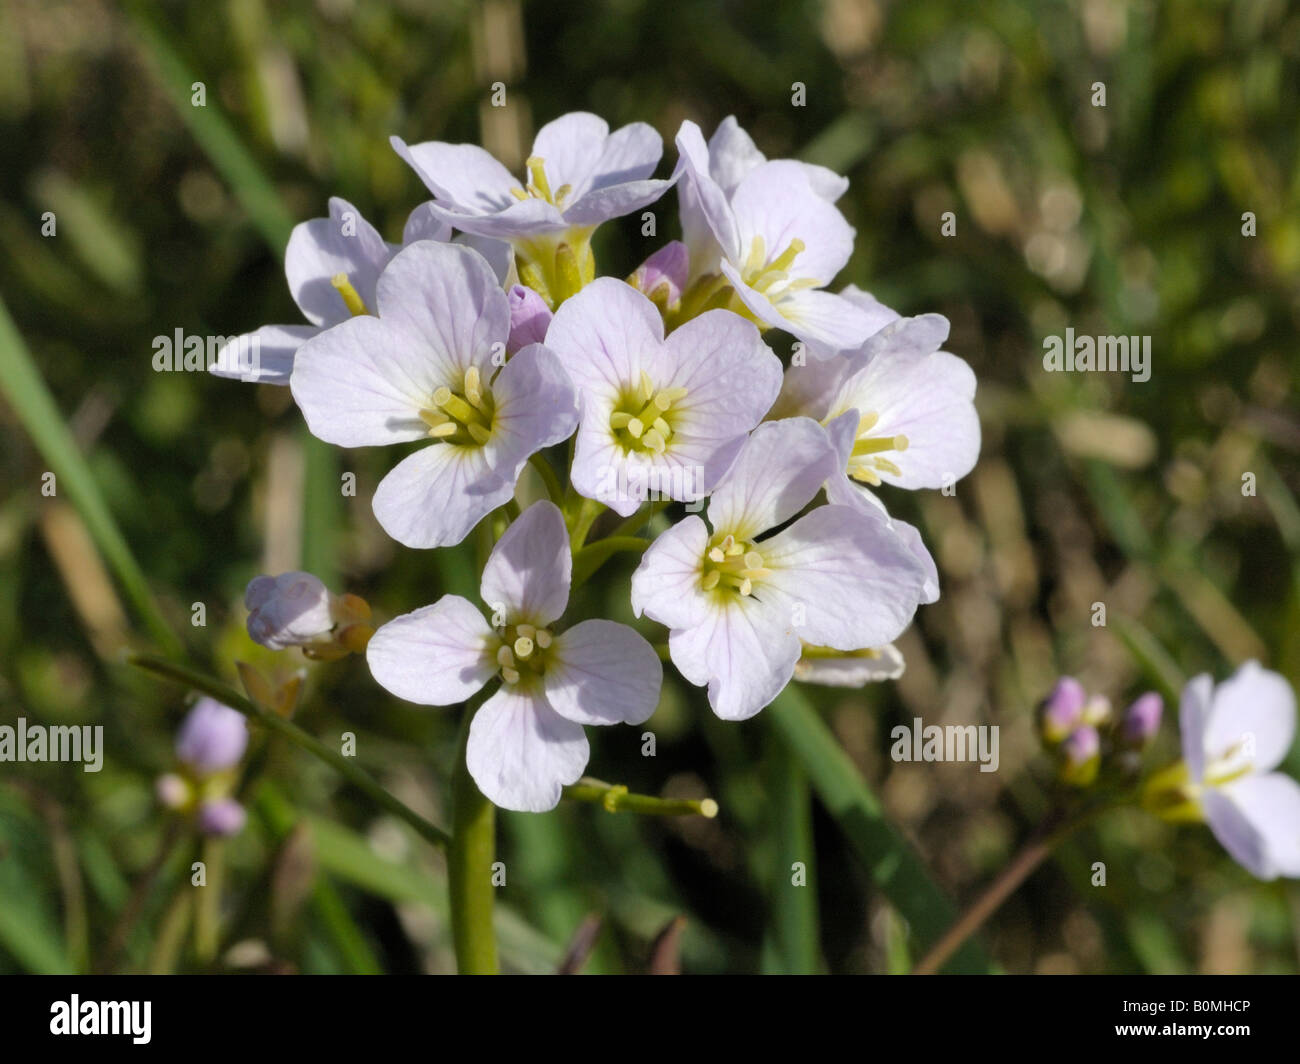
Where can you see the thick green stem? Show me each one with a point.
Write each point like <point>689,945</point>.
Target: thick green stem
<point>594,555</point>
<point>470,856</point>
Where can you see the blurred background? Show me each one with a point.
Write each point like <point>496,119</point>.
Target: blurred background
<point>1123,219</point>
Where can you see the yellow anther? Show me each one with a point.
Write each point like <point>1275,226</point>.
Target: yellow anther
<point>434,418</point>
<point>663,428</point>
<point>787,257</point>
<point>543,638</point>
<point>647,386</point>
<point>716,555</point>
<point>519,193</point>
<point>479,434</point>
<point>561,192</point>
<point>757,256</point>
<point>523,646</point>
<point>753,560</point>
<point>504,657</point>
<point>655,441</point>
<point>446,429</point>
<point>537,183</point>
<point>635,428</point>
<point>526,630</point>
<point>865,475</point>
<point>728,541</point>
<point>619,419</point>
<point>510,675</point>
<point>734,549</point>
<point>867,420</point>
<point>351,298</point>
<point>746,586</point>
<point>474,387</point>
<point>900,443</point>
<point>711,579</point>
<point>888,466</point>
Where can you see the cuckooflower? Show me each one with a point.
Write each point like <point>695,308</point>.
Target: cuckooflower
<point>778,243</point>
<point>427,368</point>
<point>661,417</point>
<point>526,741</point>
<point>740,608</point>
<point>1233,735</point>
<point>212,738</point>
<point>854,668</point>
<point>662,277</point>
<point>732,154</point>
<point>579,175</point>
<point>297,610</point>
<point>332,265</point>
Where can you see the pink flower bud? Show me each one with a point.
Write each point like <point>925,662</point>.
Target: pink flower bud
<point>221,816</point>
<point>1062,710</point>
<point>1142,720</point>
<point>212,738</point>
<point>530,317</point>
<point>663,275</point>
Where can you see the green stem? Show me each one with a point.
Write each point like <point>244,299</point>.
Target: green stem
<point>207,914</point>
<point>618,799</point>
<point>582,522</point>
<point>591,557</point>
<point>641,518</point>
<point>795,934</point>
<point>358,777</point>
<point>470,856</point>
<point>553,489</point>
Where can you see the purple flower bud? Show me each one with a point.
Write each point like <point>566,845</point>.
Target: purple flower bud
<point>1062,710</point>
<point>1142,720</point>
<point>1081,753</point>
<point>212,738</point>
<point>292,609</point>
<point>1096,711</point>
<point>663,275</point>
<point>221,816</point>
<point>530,317</point>
<point>173,792</point>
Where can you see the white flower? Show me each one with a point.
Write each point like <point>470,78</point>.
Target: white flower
<point>292,609</point>
<point>526,741</point>
<point>848,669</point>
<point>659,416</point>
<point>1233,735</point>
<point>426,368</point>
<point>740,608</point>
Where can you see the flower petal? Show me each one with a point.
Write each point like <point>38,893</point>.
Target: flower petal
<point>851,670</point>
<point>630,154</point>
<point>1257,819</point>
<point>745,652</point>
<point>529,569</point>
<point>603,334</point>
<point>1193,713</point>
<point>1255,706</point>
<point>435,497</point>
<point>779,470</point>
<point>666,585</point>
<point>435,656</point>
<point>521,752</point>
<point>602,672</point>
<point>601,204</point>
<point>847,573</point>
<point>462,176</point>
<point>775,202</point>
<point>536,406</point>
<point>342,243</point>
<point>264,356</point>
<point>423,223</point>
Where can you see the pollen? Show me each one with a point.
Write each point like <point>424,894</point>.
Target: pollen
<point>462,417</point>
<point>522,652</point>
<point>867,459</point>
<point>642,420</point>
<point>731,565</point>
<point>772,277</point>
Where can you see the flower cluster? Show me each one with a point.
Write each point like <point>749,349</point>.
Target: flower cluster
<point>488,338</point>
<point>210,744</point>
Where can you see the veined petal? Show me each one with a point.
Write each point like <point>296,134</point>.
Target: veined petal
<point>435,497</point>
<point>602,336</point>
<point>745,652</point>
<point>1257,820</point>
<point>1254,706</point>
<point>264,356</point>
<point>779,470</point>
<point>631,153</point>
<point>851,670</point>
<point>731,377</point>
<point>847,573</point>
<point>666,585</point>
<point>602,672</point>
<point>911,535</point>
<point>461,176</point>
<point>570,148</point>
<point>363,383</point>
<point>706,213</point>
<point>529,569</point>
<point>323,247</point>
<point>829,324</point>
<point>435,656</point>
<point>1193,714</point>
<point>523,219</point>
<point>521,753</point>
<point>601,204</point>
<point>732,154</point>
<point>536,406</point>
<point>446,298</point>
<point>775,202</point>
<point>423,223</point>
<point>807,390</point>
<point>601,469</point>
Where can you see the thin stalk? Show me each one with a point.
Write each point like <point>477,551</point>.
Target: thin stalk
<point>553,489</point>
<point>591,557</point>
<point>358,777</point>
<point>616,798</point>
<point>207,913</point>
<point>470,856</point>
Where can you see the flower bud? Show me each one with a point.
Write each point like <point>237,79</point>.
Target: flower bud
<point>292,609</point>
<point>212,738</point>
<point>530,317</point>
<point>1096,711</point>
<point>1141,720</point>
<point>1081,756</point>
<point>1062,710</point>
<point>663,275</point>
<point>172,790</point>
<point>222,817</point>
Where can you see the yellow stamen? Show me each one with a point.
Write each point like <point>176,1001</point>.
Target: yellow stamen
<point>543,638</point>
<point>523,646</point>
<point>351,298</point>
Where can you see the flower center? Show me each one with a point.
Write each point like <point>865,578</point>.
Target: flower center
<point>867,459</point>
<point>538,187</point>
<point>732,564</point>
<point>463,417</point>
<point>773,278</point>
<point>642,418</point>
<point>522,653</point>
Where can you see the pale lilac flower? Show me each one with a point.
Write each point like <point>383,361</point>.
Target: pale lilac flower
<point>1141,720</point>
<point>212,738</point>
<point>662,277</point>
<point>849,668</point>
<point>1233,735</point>
<point>579,175</point>
<point>740,608</point>
<point>427,368</point>
<point>530,317</point>
<point>659,416</point>
<point>173,790</point>
<point>731,155</point>
<point>332,265</point>
<point>292,609</point>
<point>1081,756</point>
<point>221,817</point>
<point>1062,710</point>
<point>778,243</point>
<point>526,741</point>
